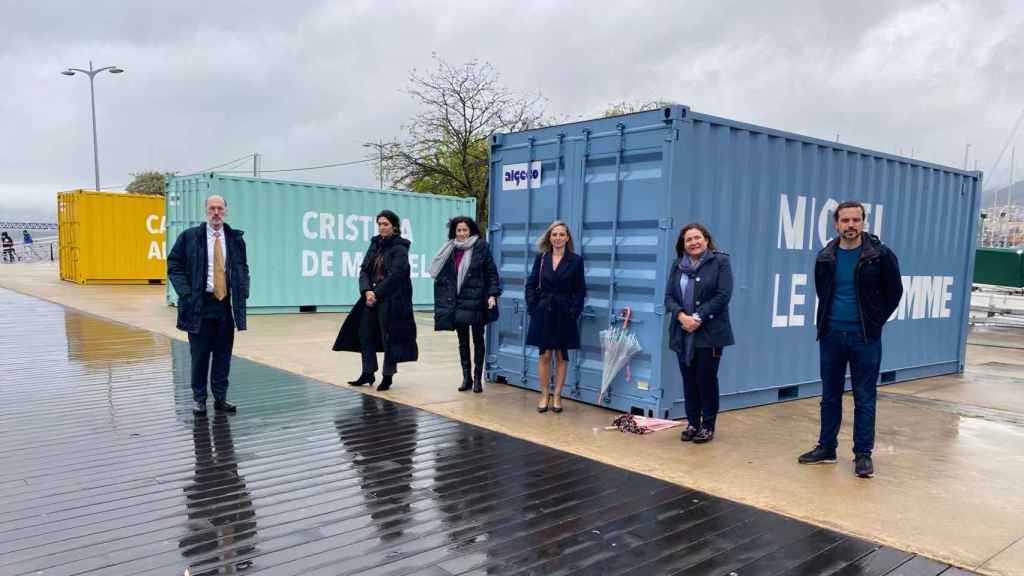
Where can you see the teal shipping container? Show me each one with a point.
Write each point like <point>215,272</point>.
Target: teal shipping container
<point>305,242</point>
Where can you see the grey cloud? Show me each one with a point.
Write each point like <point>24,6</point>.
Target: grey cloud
<point>306,83</point>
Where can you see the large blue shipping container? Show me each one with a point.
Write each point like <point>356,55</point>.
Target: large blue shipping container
<point>627,185</point>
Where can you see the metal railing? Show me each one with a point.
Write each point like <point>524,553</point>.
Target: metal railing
<point>47,250</point>
<point>34,226</point>
<point>997,306</point>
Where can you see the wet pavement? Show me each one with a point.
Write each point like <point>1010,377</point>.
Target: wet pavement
<point>104,470</point>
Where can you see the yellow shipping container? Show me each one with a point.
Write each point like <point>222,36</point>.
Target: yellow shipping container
<point>108,238</point>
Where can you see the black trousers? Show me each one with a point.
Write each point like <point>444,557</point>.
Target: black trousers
<point>700,386</point>
<point>463,331</point>
<point>215,341</point>
<point>370,338</point>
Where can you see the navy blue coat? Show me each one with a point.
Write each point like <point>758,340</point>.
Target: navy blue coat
<point>469,306</point>
<point>554,300</point>
<point>877,279</point>
<point>187,269</point>
<point>711,294</point>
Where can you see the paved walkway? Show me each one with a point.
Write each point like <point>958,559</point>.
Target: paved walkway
<point>947,448</point>
<point>104,470</point>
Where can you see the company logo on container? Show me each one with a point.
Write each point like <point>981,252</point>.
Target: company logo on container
<point>518,176</point>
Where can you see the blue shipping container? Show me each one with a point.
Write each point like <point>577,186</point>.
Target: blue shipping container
<point>627,185</point>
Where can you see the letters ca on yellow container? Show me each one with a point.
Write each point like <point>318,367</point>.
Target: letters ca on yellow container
<point>110,238</point>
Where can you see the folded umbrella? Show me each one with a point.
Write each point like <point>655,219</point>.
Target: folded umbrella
<point>618,345</point>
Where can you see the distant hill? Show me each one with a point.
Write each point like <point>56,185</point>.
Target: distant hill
<point>989,194</point>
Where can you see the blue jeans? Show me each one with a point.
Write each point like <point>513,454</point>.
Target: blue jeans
<point>864,357</point>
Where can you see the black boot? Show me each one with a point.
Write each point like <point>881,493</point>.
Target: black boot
<point>478,359</point>
<point>478,378</point>
<point>385,383</point>
<point>467,379</point>
<point>364,378</point>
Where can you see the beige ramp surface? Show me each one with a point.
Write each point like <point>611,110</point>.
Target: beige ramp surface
<point>949,456</point>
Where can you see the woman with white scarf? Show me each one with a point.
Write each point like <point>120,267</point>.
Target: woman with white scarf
<point>466,290</point>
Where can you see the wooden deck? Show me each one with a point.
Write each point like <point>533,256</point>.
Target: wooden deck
<point>104,470</point>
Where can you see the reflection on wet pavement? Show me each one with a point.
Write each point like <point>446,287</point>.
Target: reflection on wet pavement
<point>104,470</point>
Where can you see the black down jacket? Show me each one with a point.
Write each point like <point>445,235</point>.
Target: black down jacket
<point>469,306</point>
<point>394,303</point>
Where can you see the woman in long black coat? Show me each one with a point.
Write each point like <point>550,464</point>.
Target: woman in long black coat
<point>554,300</point>
<point>697,300</point>
<point>466,290</point>
<point>382,320</point>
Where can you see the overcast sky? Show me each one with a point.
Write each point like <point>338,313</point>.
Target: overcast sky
<point>307,82</point>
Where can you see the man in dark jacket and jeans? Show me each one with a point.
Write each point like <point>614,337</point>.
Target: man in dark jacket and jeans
<point>210,273</point>
<point>857,279</point>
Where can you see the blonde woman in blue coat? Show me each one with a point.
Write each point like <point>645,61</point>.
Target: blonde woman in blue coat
<point>554,300</point>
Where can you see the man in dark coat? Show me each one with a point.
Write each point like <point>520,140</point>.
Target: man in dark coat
<point>858,283</point>
<point>210,273</point>
<point>382,320</point>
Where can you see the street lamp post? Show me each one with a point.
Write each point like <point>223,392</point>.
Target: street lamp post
<point>91,73</point>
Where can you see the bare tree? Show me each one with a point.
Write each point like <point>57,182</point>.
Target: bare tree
<point>624,107</point>
<point>448,141</point>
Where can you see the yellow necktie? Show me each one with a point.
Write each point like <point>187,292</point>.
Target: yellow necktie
<point>220,281</point>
